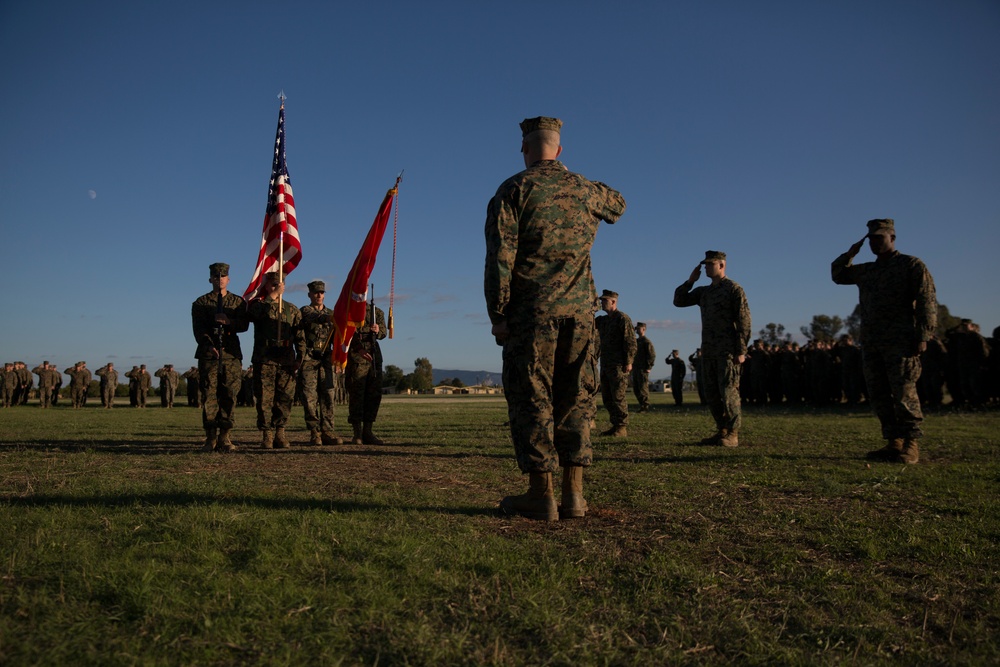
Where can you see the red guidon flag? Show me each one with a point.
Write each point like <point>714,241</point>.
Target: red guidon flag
<point>352,305</point>
<point>279,243</point>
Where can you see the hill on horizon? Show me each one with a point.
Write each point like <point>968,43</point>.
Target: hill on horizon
<point>468,378</point>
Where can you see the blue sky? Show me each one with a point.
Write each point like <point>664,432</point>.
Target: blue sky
<point>138,141</point>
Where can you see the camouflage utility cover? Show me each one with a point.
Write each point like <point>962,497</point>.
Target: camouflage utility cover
<point>540,227</point>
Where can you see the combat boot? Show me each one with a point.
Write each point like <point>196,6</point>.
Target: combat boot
<point>574,506</point>
<point>910,453</point>
<point>729,438</point>
<point>368,437</point>
<point>280,439</point>
<point>314,437</point>
<point>210,439</point>
<point>712,439</point>
<point>538,503</point>
<point>357,435</point>
<point>225,444</point>
<point>893,448</point>
<point>330,439</point>
<point>267,439</point>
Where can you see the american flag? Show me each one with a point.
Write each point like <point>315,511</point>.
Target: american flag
<point>280,228</point>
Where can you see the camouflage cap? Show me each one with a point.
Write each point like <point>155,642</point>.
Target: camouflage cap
<point>714,256</point>
<point>218,269</point>
<point>640,324</point>
<point>529,125</point>
<point>608,294</point>
<point>881,226</point>
<point>317,286</point>
<point>675,352</point>
<point>81,363</point>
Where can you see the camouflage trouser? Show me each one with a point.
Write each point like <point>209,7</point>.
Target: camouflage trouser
<point>45,396</point>
<point>78,394</point>
<point>614,389</point>
<point>550,382</point>
<point>318,394</point>
<point>364,392</point>
<point>167,392</point>
<point>274,389</point>
<point>720,376</point>
<point>677,389</point>
<point>217,410</point>
<point>108,395</point>
<point>891,376</point>
<point>640,387</point>
<point>141,397</point>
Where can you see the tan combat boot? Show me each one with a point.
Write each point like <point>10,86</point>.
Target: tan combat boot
<point>280,439</point>
<point>574,506</point>
<point>910,453</point>
<point>210,439</point>
<point>330,439</point>
<point>538,503</point>
<point>729,439</point>
<point>368,437</point>
<point>893,448</point>
<point>314,437</point>
<point>225,443</point>
<point>267,439</point>
<point>712,439</point>
<point>357,435</point>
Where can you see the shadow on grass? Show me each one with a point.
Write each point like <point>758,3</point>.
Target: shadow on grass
<point>200,499</point>
<point>172,448</point>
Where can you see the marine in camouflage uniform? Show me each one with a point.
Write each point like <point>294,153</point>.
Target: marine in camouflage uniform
<point>317,373</point>
<point>8,384</point>
<point>109,384</point>
<point>79,383</point>
<point>24,383</point>
<point>193,384</point>
<point>169,381</point>
<point>47,376</point>
<point>898,308</point>
<point>276,359</point>
<point>678,369</point>
<point>133,386</point>
<point>216,319</point>
<point>617,353</point>
<point>645,357</point>
<point>541,299</point>
<point>363,378</point>
<point>725,331</point>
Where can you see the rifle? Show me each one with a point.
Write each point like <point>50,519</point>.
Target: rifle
<point>220,330</point>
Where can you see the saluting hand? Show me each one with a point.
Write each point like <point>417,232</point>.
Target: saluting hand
<point>856,248</point>
<point>696,274</point>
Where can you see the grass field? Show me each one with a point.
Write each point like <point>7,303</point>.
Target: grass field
<point>123,544</point>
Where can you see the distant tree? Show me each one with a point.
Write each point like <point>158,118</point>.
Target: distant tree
<point>823,327</point>
<point>404,383</point>
<point>392,376</point>
<point>774,334</point>
<point>853,323</point>
<point>423,375</point>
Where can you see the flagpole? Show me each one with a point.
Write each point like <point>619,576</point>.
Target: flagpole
<point>281,239</point>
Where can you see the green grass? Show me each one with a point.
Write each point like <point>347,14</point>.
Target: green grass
<point>122,544</point>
